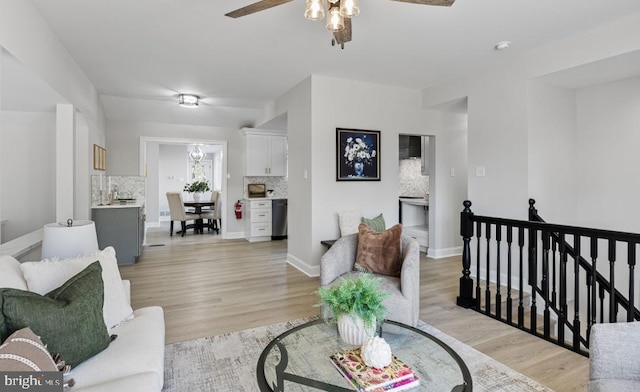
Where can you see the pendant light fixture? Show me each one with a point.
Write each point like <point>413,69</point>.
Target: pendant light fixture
<point>349,8</point>
<point>335,21</point>
<point>314,10</point>
<point>196,154</point>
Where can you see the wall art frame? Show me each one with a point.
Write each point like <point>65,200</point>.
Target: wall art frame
<point>357,155</point>
<point>99,158</point>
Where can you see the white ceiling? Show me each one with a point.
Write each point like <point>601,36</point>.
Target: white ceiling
<point>22,90</point>
<point>140,54</point>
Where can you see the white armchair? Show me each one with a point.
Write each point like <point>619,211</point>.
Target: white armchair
<point>403,304</point>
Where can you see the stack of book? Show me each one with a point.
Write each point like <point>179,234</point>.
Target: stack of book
<point>398,376</point>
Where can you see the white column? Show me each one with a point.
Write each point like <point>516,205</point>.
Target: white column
<point>83,164</point>
<point>65,162</point>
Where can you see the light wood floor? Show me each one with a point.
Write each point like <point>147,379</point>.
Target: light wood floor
<point>209,286</point>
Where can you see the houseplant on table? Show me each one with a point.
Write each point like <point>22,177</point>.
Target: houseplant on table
<point>197,188</point>
<point>356,304</point>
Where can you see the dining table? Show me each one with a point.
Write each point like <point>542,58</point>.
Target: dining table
<point>197,206</point>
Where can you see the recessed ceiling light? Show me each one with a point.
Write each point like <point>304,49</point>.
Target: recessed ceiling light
<point>502,45</point>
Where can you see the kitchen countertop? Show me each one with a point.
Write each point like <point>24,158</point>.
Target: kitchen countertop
<point>414,201</point>
<point>136,204</point>
<point>265,198</point>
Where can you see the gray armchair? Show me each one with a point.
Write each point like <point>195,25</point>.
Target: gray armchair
<point>613,357</point>
<point>403,305</point>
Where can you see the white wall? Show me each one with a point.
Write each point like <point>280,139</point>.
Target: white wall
<point>497,138</point>
<point>25,35</point>
<point>312,144</point>
<point>297,104</point>
<point>27,171</point>
<point>608,168</point>
<point>552,152</point>
<point>29,38</point>
<point>152,181</point>
<point>123,145</point>
<point>172,171</point>
<point>449,191</point>
<point>1,144</point>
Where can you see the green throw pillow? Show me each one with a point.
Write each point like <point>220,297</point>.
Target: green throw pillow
<point>68,319</point>
<point>377,223</point>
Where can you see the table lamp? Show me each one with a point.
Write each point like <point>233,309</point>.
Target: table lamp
<point>69,239</point>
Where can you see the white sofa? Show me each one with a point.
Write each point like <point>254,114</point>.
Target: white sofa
<point>133,362</point>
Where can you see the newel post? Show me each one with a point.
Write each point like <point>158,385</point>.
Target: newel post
<point>533,212</point>
<point>465,299</point>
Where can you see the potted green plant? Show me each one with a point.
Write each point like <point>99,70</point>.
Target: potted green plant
<point>356,305</point>
<point>197,188</point>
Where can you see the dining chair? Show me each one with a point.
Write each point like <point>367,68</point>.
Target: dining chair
<point>176,209</point>
<point>213,216</point>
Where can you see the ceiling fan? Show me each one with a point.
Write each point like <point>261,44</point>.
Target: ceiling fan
<point>339,12</point>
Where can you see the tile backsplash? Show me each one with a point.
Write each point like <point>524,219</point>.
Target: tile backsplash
<point>280,185</point>
<point>130,187</point>
<point>412,182</point>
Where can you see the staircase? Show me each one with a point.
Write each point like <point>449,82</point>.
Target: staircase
<point>553,281</point>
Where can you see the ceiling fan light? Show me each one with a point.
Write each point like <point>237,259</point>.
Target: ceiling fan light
<point>188,100</point>
<point>335,21</point>
<point>314,10</point>
<point>349,8</point>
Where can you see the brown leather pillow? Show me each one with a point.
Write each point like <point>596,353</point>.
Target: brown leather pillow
<point>379,253</point>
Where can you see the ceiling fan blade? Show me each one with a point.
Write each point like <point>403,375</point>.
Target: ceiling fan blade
<point>256,7</point>
<point>444,3</point>
<point>344,35</point>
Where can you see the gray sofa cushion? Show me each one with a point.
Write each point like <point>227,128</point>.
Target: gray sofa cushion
<point>613,357</point>
<point>612,385</point>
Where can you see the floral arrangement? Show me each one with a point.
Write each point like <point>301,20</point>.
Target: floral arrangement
<point>359,296</point>
<point>357,150</point>
<point>197,186</point>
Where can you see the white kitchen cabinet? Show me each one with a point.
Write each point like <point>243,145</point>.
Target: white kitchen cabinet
<point>257,223</point>
<point>265,153</point>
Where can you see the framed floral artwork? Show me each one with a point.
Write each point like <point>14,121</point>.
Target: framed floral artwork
<point>357,155</point>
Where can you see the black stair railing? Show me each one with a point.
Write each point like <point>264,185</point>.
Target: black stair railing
<point>561,282</point>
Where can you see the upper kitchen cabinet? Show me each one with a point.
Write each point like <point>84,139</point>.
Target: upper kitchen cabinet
<point>265,153</point>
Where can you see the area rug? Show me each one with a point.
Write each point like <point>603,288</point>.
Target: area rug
<point>228,362</point>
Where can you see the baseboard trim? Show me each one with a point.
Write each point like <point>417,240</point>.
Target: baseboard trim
<point>307,269</point>
<point>233,235</point>
<point>445,252</point>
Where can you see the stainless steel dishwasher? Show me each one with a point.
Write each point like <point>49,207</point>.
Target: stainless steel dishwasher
<point>278,219</point>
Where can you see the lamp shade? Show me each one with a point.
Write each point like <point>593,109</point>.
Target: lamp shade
<point>63,241</point>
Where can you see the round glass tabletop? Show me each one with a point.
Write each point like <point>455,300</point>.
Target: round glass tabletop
<point>298,359</point>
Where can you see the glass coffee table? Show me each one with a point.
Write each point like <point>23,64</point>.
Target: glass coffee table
<point>298,359</point>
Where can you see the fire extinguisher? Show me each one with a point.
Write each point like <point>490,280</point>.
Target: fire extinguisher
<point>238,210</point>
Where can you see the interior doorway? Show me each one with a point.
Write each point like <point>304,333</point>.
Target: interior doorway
<point>414,186</point>
<point>152,163</point>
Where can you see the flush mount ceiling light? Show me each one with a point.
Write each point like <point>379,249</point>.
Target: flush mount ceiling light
<point>339,13</point>
<point>502,45</point>
<point>188,100</point>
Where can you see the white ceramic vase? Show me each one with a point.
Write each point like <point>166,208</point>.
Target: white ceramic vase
<point>197,196</point>
<point>353,332</point>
